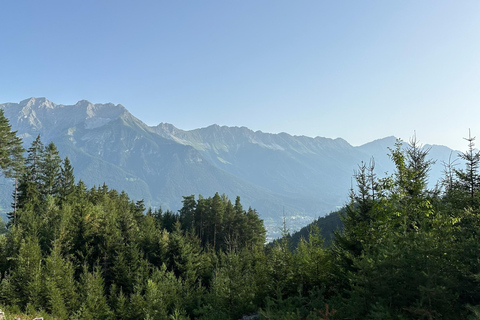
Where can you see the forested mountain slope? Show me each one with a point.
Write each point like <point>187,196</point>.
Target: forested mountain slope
<point>406,251</point>
<point>275,173</point>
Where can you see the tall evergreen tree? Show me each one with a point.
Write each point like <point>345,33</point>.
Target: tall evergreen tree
<point>11,150</point>
<point>29,184</point>
<point>50,170</point>
<point>360,218</point>
<point>216,214</point>
<point>11,157</point>
<point>95,304</point>
<point>60,285</point>
<point>468,180</point>
<point>26,278</point>
<point>184,256</point>
<point>187,212</point>
<point>67,180</point>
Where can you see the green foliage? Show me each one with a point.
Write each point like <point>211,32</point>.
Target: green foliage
<point>327,226</point>
<point>94,254</point>
<point>405,254</point>
<point>11,150</point>
<point>24,284</point>
<point>3,227</point>
<point>234,290</point>
<point>405,251</point>
<point>93,296</point>
<point>221,225</point>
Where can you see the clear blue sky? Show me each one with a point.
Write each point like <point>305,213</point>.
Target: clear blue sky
<point>359,70</point>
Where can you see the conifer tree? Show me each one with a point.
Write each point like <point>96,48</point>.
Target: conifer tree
<point>360,218</point>
<point>253,231</point>
<point>230,234</point>
<point>410,180</point>
<point>50,170</point>
<point>217,211</point>
<point>3,228</point>
<point>281,272</point>
<point>153,241</point>
<point>11,156</point>
<point>313,264</point>
<point>121,305</point>
<point>201,219</point>
<point>11,150</point>
<point>29,187</point>
<point>26,277</point>
<point>95,304</point>
<point>187,212</point>
<point>468,180</point>
<point>67,180</point>
<point>401,271</point>
<point>184,256</point>
<point>60,287</point>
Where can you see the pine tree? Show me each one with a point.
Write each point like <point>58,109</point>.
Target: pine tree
<point>11,150</point>
<point>409,191</point>
<point>313,264</point>
<point>187,212</point>
<point>95,304</point>
<point>11,157</point>
<point>217,211</point>
<point>60,287</point>
<point>468,180</point>
<point>254,231</point>
<point>201,219</point>
<point>230,236</point>
<point>26,277</point>
<point>67,180</point>
<point>406,261</point>
<point>50,170</point>
<point>184,255</point>
<point>360,217</point>
<point>29,186</point>
<point>3,228</point>
<point>153,241</point>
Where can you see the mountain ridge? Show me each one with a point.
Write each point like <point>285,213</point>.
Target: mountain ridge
<point>304,176</point>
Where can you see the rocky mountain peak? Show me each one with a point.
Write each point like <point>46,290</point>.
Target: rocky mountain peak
<point>37,103</point>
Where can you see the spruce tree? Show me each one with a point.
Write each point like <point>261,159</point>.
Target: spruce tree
<point>187,212</point>
<point>50,170</point>
<point>60,287</point>
<point>11,150</point>
<point>67,180</point>
<point>216,213</point>
<point>29,186</point>
<point>11,157</point>
<point>95,304</point>
<point>26,277</point>
<point>468,180</point>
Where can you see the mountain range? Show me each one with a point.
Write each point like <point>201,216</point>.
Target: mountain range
<point>277,174</point>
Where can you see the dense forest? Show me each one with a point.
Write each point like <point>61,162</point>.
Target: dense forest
<point>405,251</point>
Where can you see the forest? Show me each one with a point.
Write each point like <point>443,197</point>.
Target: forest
<point>405,251</point>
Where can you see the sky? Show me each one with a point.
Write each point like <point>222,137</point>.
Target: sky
<point>359,70</point>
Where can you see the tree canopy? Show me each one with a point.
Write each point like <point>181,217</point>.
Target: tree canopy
<point>405,251</point>
<point>11,150</point>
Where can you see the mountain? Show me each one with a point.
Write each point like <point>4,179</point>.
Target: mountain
<point>297,167</point>
<point>300,176</point>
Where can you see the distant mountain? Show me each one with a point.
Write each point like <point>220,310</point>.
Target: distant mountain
<point>274,173</point>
